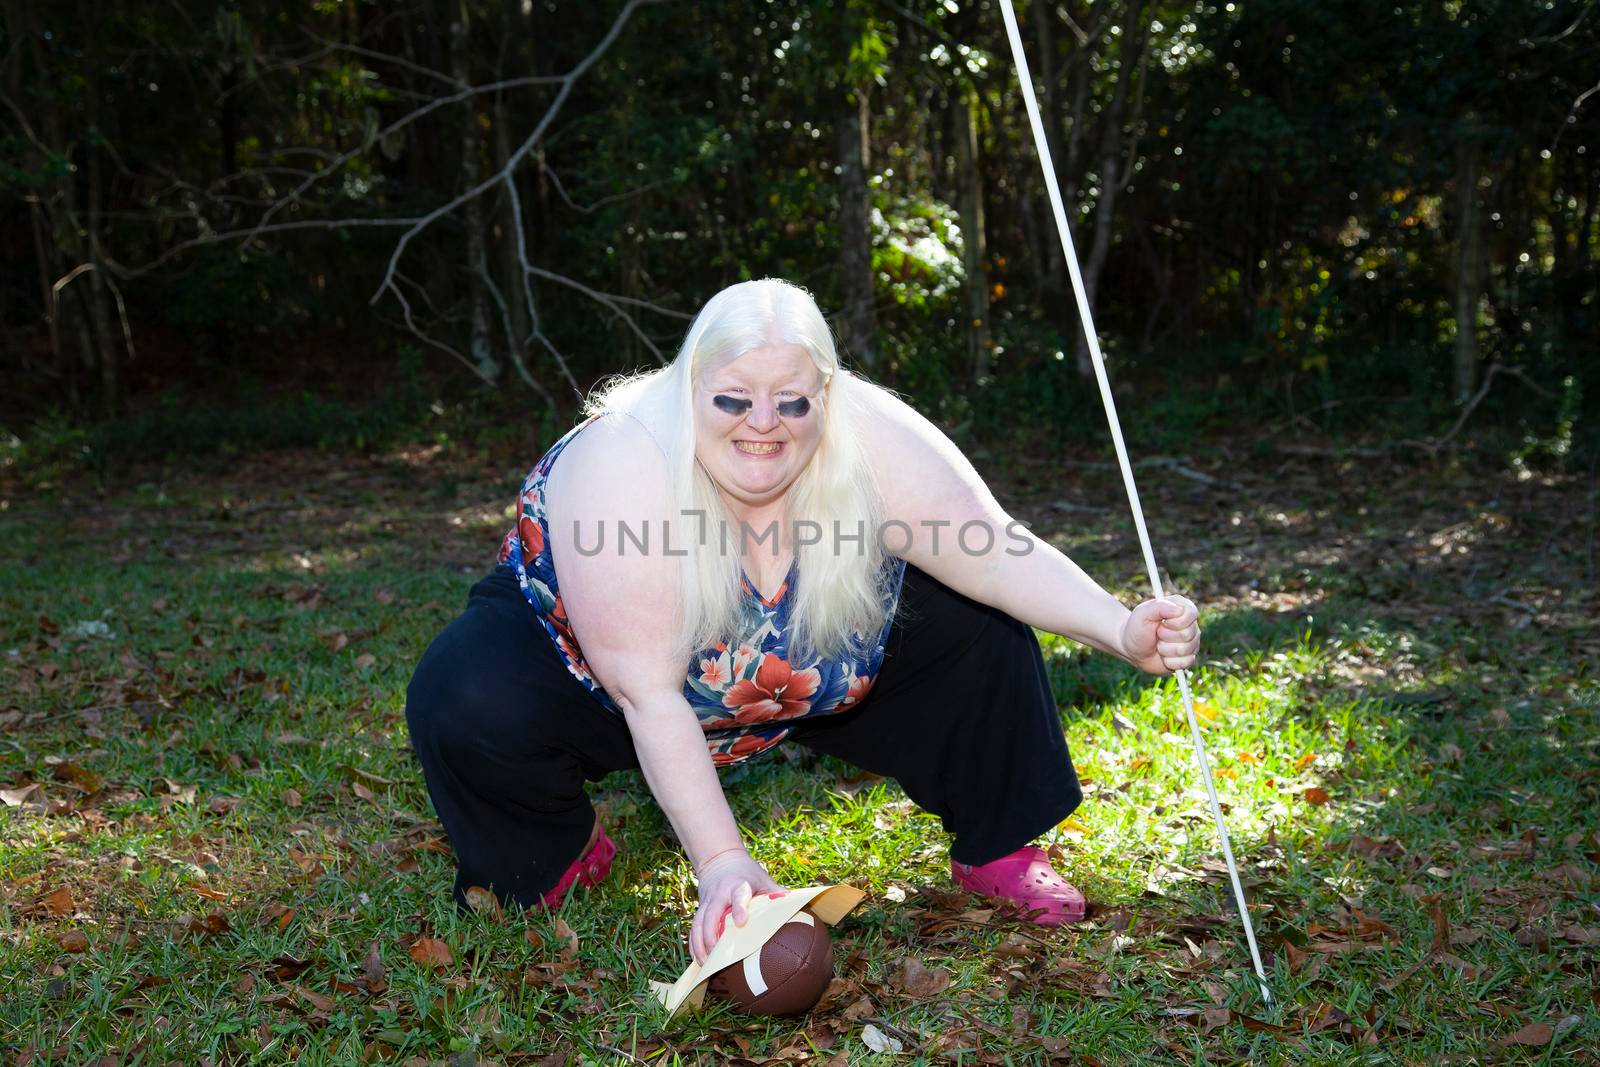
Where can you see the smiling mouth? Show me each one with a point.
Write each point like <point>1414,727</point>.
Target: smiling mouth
<point>759,448</point>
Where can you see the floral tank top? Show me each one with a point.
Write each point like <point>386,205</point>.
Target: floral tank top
<point>744,690</point>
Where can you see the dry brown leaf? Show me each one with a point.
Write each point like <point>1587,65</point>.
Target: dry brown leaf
<point>838,989</point>
<point>917,980</point>
<point>73,941</point>
<point>1316,795</point>
<point>484,902</point>
<point>1295,957</point>
<point>1324,1015</point>
<point>292,798</point>
<point>286,967</point>
<point>310,864</point>
<point>1441,924</point>
<point>58,901</point>
<point>320,1001</point>
<point>431,952</point>
<point>1532,1034</point>
<point>861,1009</point>
<point>211,925</point>
<point>363,792</point>
<point>365,660</point>
<point>84,779</point>
<point>373,972</point>
<point>568,939</point>
<point>22,794</point>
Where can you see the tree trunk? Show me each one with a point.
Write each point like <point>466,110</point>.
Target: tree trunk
<point>480,342</point>
<point>855,236</point>
<point>514,287</point>
<point>1053,267</point>
<point>1111,176</point>
<point>1464,370</point>
<point>969,204</point>
<point>99,296</point>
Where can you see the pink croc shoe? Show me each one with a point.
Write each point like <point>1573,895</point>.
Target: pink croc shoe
<point>1025,878</point>
<point>587,869</point>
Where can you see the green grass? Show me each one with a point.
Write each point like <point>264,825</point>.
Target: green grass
<point>1397,697</point>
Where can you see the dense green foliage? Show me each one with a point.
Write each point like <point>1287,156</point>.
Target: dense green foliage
<point>1354,210</point>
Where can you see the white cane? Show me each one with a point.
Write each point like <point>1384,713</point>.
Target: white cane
<point>1087,321</point>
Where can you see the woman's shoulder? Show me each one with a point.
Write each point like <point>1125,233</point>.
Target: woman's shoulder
<point>891,430</point>
<point>616,457</point>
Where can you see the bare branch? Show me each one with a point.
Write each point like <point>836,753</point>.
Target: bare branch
<point>228,235</point>
<point>513,346</point>
<point>609,301</point>
<point>1572,115</point>
<point>567,81</point>
<point>405,310</point>
<point>434,105</point>
<point>555,179</point>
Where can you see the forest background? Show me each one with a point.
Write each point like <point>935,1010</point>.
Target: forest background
<point>346,223</point>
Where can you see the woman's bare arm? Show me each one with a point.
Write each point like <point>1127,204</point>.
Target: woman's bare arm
<point>959,533</point>
<point>623,608</point>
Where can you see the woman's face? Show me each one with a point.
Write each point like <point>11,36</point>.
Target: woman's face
<point>758,421</point>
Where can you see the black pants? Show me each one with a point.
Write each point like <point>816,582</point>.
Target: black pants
<point>960,715</point>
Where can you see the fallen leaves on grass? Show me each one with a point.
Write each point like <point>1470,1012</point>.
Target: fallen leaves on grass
<point>1316,795</point>
<point>916,979</point>
<point>22,795</point>
<point>373,973</point>
<point>310,863</point>
<point>57,902</point>
<point>1537,1034</point>
<point>878,1041</point>
<point>568,938</point>
<point>484,903</point>
<point>431,952</point>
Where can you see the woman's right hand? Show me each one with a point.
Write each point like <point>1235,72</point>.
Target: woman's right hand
<point>728,883</point>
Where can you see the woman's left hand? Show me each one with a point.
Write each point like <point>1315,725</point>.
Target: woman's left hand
<point>1162,636</point>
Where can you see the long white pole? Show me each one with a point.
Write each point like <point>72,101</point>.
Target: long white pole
<point>1087,322</point>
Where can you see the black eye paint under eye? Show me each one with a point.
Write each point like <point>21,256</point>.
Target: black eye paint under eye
<point>794,409</point>
<point>732,405</point>
<point>789,409</point>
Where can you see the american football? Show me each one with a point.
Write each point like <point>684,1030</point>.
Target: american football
<point>788,976</point>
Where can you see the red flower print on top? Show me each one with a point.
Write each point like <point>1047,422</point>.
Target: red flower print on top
<point>714,672</point>
<point>859,687</point>
<point>777,691</point>
<point>748,745</point>
<point>532,537</point>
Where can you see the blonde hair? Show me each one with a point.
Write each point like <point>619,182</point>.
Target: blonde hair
<point>837,590</point>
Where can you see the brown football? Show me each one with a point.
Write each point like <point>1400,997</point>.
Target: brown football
<point>788,976</point>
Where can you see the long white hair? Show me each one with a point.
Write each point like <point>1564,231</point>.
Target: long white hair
<point>838,586</point>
